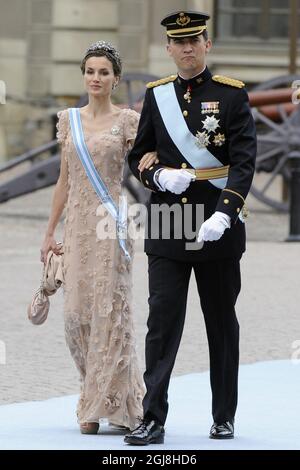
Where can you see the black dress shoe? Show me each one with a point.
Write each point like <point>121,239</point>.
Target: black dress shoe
<point>222,431</point>
<point>148,432</point>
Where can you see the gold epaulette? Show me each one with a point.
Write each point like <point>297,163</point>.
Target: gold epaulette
<point>228,81</point>
<point>162,81</point>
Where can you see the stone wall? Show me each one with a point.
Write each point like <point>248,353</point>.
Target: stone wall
<point>13,49</point>
<point>42,43</point>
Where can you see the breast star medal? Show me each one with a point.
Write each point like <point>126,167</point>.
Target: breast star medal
<point>219,140</point>
<point>202,139</point>
<point>211,124</point>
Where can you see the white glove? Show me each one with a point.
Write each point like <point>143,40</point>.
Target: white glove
<point>214,227</point>
<point>175,181</point>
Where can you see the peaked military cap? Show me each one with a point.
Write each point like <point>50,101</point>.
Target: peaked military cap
<point>185,23</point>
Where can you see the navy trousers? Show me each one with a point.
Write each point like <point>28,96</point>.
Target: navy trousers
<point>218,283</point>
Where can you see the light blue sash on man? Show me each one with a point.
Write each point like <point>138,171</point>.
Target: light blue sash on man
<point>185,141</point>
<point>99,186</point>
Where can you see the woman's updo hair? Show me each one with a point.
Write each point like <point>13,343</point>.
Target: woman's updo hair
<point>103,49</point>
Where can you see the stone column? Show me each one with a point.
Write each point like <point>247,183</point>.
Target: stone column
<point>134,33</point>
<point>39,47</point>
<point>75,25</point>
<point>12,74</point>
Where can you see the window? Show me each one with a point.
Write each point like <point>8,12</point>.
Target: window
<point>253,20</point>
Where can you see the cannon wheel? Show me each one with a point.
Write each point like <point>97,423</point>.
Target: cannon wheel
<point>274,142</point>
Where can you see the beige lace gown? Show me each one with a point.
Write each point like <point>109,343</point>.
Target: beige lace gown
<point>97,289</point>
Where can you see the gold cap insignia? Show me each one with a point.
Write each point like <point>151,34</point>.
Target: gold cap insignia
<point>183,19</point>
<point>183,24</point>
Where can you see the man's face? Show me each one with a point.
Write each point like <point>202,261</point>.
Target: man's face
<point>189,54</point>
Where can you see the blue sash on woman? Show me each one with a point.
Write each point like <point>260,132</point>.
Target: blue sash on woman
<point>95,179</point>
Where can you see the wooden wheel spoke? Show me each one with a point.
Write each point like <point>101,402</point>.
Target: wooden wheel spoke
<point>269,154</point>
<point>277,128</point>
<point>275,172</point>
<point>283,114</point>
<point>267,139</point>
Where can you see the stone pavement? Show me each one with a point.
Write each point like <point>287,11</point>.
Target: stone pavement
<point>38,364</point>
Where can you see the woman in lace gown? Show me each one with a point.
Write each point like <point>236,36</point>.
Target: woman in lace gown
<point>97,275</point>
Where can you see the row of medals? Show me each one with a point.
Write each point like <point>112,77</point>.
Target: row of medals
<point>210,124</point>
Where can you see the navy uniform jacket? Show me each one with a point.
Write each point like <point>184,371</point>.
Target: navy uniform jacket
<point>233,143</point>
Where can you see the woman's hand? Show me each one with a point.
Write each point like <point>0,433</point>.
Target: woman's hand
<point>49,244</point>
<point>147,161</point>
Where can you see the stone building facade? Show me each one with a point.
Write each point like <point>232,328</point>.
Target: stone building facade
<point>42,41</point>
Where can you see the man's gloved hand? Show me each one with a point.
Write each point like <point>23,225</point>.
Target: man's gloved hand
<point>175,181</point>
<point>214,227</point>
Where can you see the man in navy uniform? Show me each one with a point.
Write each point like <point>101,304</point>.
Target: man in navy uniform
<point>202,129</point>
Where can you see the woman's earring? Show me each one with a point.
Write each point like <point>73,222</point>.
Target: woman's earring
<point>115,85</point>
